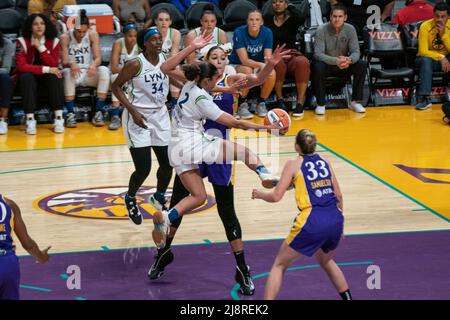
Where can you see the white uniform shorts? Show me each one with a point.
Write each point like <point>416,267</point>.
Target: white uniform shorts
<point>187,150</point>
<point>157,132</point>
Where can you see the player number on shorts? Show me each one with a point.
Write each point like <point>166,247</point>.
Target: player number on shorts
<point>323,171</point>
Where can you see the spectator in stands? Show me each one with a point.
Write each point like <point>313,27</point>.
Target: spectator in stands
<point>37,61</point>
<point>208,21</point>
<point>251,44</point>
<point>336,53</point>
<point>171,42</point>
<point>183,5</point>
<point>49,8</point>
<point>415,10</point>
<point>285,21</point>
<point>137,11</point>
<point>123,50</point>
<point>434,52</point>
<point>358,15</point>
<point>6,56</point>
<point>82,62</point>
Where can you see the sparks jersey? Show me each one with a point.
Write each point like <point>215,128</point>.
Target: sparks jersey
<point>124,56</point>
<point>313,184</point>
<point>149,87</point>
<point>225,102</point>
<point>193,107</point>
<point>81,52</point>
<point>6,226</point>
<point>167,44</point>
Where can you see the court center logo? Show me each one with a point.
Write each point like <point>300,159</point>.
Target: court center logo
<point>105,203</point>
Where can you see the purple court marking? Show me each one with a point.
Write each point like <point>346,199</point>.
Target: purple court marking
<point>413,266</point>
<point>418,173</point>
<point>105,203</point>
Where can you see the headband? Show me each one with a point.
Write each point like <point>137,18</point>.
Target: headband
<point>128,27</point>
<point>150,32</point>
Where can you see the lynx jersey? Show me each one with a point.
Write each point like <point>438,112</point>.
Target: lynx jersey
<point>81,52</point>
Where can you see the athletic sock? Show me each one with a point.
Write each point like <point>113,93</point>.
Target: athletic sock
<point>173,215</point>
<point>115,111</point>
<point>346,295</point>
<point>58,114</point>
<point>240,259</point>
<point>99,104</point>
<point>70,105</point>
<point>129,197</point>
<point>160,197</point>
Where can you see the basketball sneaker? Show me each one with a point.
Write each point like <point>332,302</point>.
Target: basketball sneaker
<point>299,110</point>
<point>244,279</point>
<point>158,201</point>
<point>98,119</point>
<point>71,121</point>
<point>58,126</point>
<point>133,210</point>
<point>161,223</point>
<point>267,179</point>
<point>3,127</point>
<point>261,109</point>
<point>243,111</point>
<point>424,103</point>
<point>162,259</point>
<point>30,127</point>
<point>115,123</point>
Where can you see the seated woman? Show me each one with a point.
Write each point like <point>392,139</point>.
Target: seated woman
<point>252,44</point>
<point>171,43</point>
<point>37,73</point>
<point>6,55</point>
<point>123,50</point>
<point>208,21</point>
<point>285,20</point>
<point>133,10</point>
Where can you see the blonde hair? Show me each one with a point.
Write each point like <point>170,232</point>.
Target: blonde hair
<point>307,141</point>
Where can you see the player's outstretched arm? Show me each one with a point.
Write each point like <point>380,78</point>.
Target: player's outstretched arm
<point>231,122</point>
<point>21,231</point>
<point>289,171</point>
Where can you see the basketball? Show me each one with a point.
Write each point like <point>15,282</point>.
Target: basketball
<point>278,116</point>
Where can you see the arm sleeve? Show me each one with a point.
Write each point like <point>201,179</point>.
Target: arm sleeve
<point>423,44</point>
<point>208,108</point>
<point>268,40</point>
<point>7,56</point>
<point>238,40</point>
<point>354,51</point>
<point>319,48</point>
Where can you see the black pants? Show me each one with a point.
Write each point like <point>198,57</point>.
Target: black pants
<point>34,87</point>
<point>5,90</point>
<point>225,206</point>
<point>320,71</point>
<point>142,159</point>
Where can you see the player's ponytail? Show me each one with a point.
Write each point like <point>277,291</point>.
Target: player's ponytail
<point>83,18</point>
<point>199,71</point>
<point>208,9</point>
<point>307,141</point>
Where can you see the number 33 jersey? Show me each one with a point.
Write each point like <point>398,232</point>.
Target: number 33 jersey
<point>313,184</point>
<point>149,87</point>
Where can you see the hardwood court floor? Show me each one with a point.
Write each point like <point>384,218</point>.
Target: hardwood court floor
<point>393,165</point>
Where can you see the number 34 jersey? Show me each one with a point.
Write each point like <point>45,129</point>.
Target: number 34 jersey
<point>149,87</point>
<point>313,184</point>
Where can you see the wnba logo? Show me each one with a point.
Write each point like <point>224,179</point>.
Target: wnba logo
<point>104,203</point>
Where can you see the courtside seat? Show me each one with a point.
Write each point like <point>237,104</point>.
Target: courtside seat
<point>22,8</point>
<point>10,22</point>
<point>193,14</point>
<point>236,14</point>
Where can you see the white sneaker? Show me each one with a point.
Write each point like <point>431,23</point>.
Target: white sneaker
<point>268,180</point>
<point>261,109</point>
<point>58,125</point>
<point>161,223</point>
<point>357,107</point>
<point>3,127</point>
<point>320,110</point>
<point>30,127</point>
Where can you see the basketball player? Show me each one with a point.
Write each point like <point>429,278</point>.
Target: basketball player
<point>189,145</point>
<point>11,221</point>
<point>220,176</point>
<point>319,226</point>
<point>145,121</point>
<point>81,57</point>
<point>123,50</point>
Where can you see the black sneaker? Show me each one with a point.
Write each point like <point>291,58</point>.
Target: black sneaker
<point>245,281</point>
<point>133,210</point>
<point>161,261</point>
<point>299,110</point>
<point>279,104</point>
<point>424,103</point>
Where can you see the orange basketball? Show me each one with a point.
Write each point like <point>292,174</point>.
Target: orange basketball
<point>279,117</point>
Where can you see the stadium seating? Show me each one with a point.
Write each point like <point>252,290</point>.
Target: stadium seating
<point>177,16</point>
<point>10,22</point>
<point>22,7</point>
<point>236,14</point>
<point>4,4</point>
<point>194,13</point>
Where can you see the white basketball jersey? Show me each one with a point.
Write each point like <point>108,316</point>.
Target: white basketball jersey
<point>167,44</point>
<point>81,52</point>
<point>149,87</point>
<point>193,107</point>
<point>124,56</point>
<point>199,54</point>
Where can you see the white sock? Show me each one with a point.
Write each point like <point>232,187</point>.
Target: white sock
<point>30,116</point>
<point>58,114</point>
